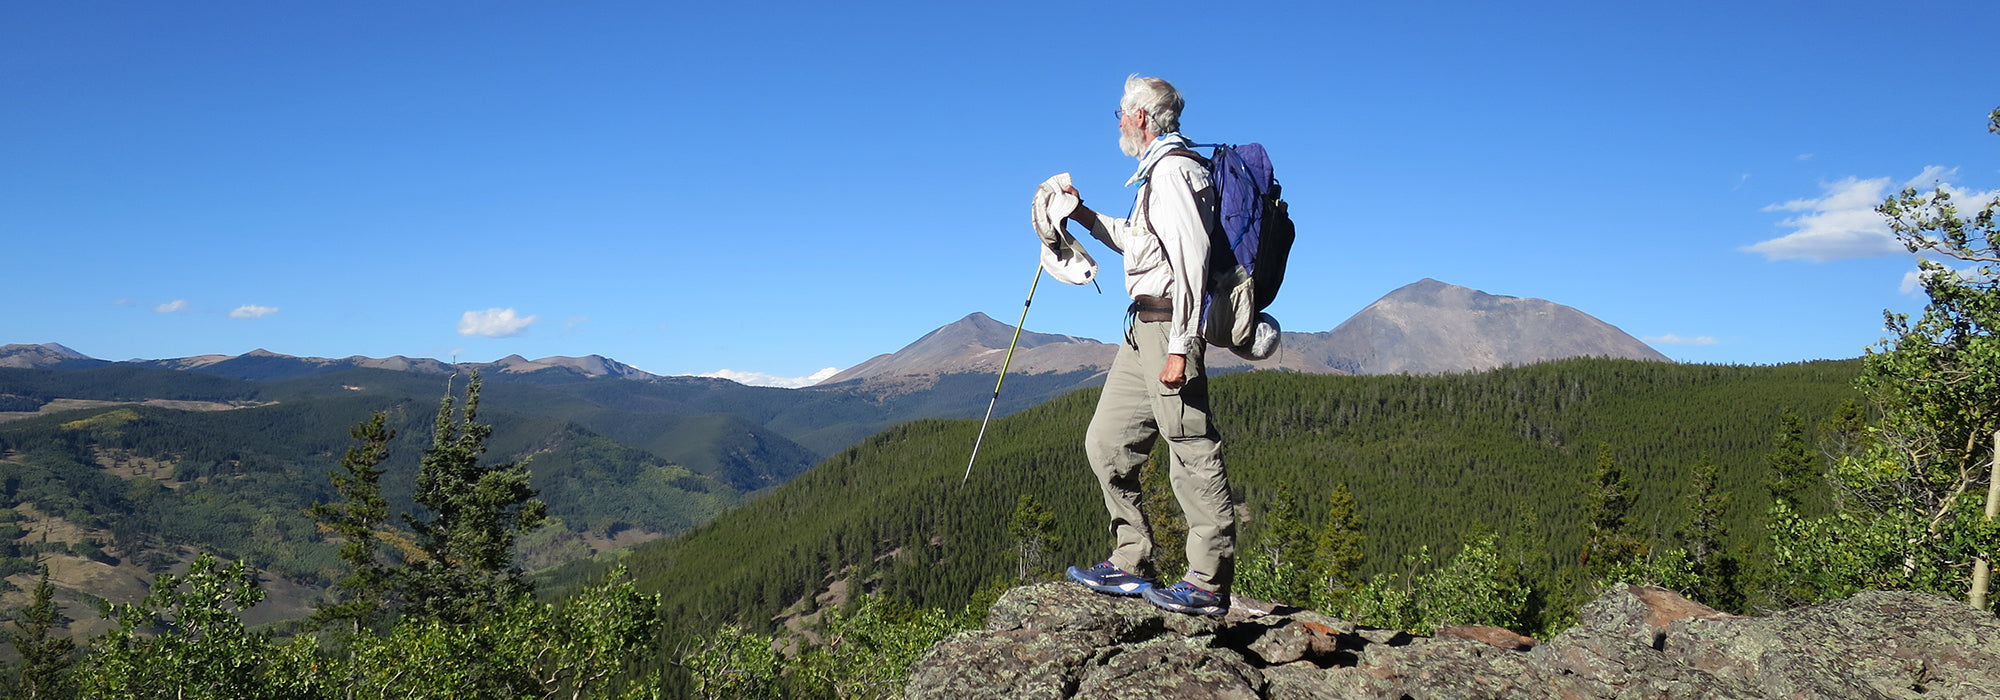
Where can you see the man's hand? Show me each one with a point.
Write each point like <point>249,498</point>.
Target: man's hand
<point>1175,373</point>
<point>1082,214</point>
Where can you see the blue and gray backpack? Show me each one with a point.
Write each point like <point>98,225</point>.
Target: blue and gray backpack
<point>1254,227</point>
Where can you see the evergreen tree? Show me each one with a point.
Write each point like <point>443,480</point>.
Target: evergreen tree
<point>356,520</point>
<point>1337,551</point>
<point>1608,541</point>
<point>1163,516</point>
<point>1703,534</point>
<point>1794,467</point>
<point>1280,565</point>
<point>475,512</point>
<point>45,657</point>
<point>1033,529</point>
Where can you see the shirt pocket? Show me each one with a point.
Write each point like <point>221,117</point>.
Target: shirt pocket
<point>1143,253</point>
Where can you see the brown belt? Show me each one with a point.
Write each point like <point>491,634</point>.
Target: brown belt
<point>1151,309</point>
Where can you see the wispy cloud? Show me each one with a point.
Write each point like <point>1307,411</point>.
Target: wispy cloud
<point>1672,339</point>
<point>1843,224</point>
<point>494,323</point>
<point>1839,225</point>
<point>762,379</point>
<point>172,307</point>
<point>253,311</point>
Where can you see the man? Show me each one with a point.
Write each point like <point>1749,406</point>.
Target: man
<point>1157,383</point>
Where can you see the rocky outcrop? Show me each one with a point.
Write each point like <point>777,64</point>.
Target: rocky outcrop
<point>1059,640</point>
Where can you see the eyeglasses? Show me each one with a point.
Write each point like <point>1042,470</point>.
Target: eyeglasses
<point>1120,114</point>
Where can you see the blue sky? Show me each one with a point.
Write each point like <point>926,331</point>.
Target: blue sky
<point>778,188</point>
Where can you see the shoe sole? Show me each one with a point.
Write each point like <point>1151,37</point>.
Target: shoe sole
<point>1203,610</point>
<point>1130,590</point>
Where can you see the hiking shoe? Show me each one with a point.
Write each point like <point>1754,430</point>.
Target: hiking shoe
<point>1105,578</point>
<point>1184,597</point>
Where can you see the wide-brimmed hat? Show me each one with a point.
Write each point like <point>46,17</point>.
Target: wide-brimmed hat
<point>1062,255</point>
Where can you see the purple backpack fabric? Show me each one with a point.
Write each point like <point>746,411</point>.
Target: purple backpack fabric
<point>1256,227</point>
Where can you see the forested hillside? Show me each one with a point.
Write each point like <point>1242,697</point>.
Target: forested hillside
<point>1428,459</point>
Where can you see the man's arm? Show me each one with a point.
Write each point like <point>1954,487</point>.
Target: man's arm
<point>1103,228</point>
<point>1175,210</point>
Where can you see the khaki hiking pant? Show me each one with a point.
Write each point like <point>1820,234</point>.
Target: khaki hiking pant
<point>1136,408</point>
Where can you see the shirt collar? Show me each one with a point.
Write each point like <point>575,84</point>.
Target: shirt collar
<point>1159,148</point>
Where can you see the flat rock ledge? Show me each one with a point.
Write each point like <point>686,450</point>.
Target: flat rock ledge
<point>1060,640</point>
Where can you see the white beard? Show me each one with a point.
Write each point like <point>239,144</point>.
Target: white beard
<point>1131,141</point>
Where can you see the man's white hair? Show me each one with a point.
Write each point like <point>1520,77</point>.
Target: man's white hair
<point>1157,98</point>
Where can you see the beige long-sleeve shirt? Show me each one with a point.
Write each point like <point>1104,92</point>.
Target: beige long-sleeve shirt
<point>1165,243</point>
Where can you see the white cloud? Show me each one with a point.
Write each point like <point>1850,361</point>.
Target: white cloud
<point>1671,339</point>
<point>172,307</point>
<point>493,323</point>
<point>253,311</point>
<point>1843,223</point>
<point>762,379</point>
<point>1840,225</point>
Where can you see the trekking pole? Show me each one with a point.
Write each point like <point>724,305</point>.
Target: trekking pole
<point>1003,373</point>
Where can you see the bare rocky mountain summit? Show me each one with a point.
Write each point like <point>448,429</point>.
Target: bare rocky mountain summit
<point>1430,327</point>
<point>45,355</point>
<point>1060,640</point>
<point>977,343</point>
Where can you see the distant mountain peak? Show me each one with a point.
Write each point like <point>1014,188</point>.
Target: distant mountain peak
<point>976,343</point>
<point>1431,326</point>
<point>24,356</point>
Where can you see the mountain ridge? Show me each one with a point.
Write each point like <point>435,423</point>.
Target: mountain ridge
<point>1426,327</point>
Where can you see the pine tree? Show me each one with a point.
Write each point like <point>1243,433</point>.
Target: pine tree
<point>1703,534</point>
<point>1033,529</point>
<point>475,512</point>
<point>1285,549</point>
<point>1163,516</point>
<point>1794,467</point>
<point>356,520</point>
<point>1607,539</point>
<point>1337,551</point>
<point>45,658</point>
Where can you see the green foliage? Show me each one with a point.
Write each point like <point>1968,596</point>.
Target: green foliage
<point>475,512</point>
<point>1476,587</point>
<point>524,649</point>
<point>869,647</point>
<point>731,663</point>
<point>1717,572</point>
<point>1032,528</point>
<point>1794,467</point>
<point>45,657</point>
<point>1426,461</point>
<point>1164,518</point>
<point>1609,542</point>
<point>363,593</point>
<point>187,640</point>
<point>1280,564</point>
<point>1337,551</point>
<point>1908,511</point>
<point>202,648</point>
<point>861,650</point>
